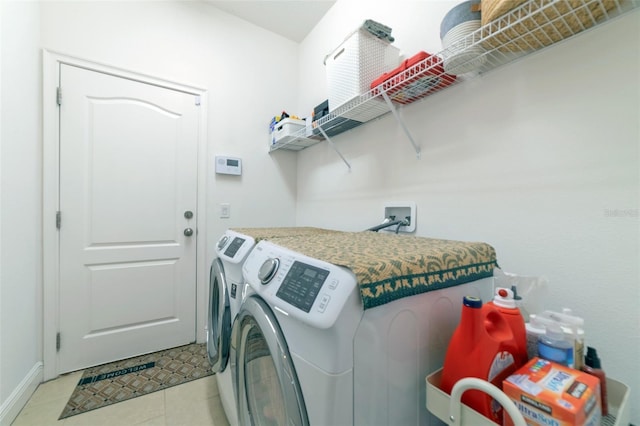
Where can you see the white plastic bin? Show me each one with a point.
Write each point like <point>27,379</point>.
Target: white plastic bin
<point>353,65</point>
<point>286,130</point>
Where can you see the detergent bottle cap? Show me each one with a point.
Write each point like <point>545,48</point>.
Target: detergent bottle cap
<point>504,298</point>
<point>472,302</point>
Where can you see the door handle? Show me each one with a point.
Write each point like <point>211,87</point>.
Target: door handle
<point>188,232</point>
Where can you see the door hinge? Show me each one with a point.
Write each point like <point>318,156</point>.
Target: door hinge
<point>197,100</point>
<point>59,95</point>
<point>58,219</point>
<point>58,342</point>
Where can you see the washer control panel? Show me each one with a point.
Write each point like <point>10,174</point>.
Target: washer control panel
<point>308,289</point>
<point>302,284</point>
<point>234,247</point>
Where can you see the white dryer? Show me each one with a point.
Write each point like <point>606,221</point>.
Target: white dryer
<point>307,353</point>
<point>225,287</point>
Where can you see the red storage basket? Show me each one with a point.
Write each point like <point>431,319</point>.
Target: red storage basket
<point>415,78</point>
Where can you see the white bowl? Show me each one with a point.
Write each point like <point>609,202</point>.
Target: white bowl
<point>464,61</point>
<point>459,32</point>
<point>463,12</point>
<point>461,56</point>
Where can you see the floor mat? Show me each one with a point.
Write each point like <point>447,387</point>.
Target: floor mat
<point>122,380</point>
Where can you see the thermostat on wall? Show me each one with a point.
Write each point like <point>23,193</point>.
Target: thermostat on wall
<point>228,165</point>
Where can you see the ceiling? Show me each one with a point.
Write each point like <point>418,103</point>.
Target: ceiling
<point>292,19</point>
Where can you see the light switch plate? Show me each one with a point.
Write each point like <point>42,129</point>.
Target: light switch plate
<point>225,210</point>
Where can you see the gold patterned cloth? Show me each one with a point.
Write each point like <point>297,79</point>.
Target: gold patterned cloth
<point>260,234</point>
<point>389,266</point>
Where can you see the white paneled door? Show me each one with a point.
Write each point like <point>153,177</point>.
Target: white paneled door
<point>128,189</point>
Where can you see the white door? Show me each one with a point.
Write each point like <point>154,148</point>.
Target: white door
<point>128,182</point>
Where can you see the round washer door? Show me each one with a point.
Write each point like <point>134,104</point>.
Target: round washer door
<point>267,384</point>
<point>218,318</point>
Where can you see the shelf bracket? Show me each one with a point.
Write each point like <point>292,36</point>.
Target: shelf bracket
<point>399,120</point>
<point>334,147</point>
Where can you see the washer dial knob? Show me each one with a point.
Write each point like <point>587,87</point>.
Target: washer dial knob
<point>222,242</point>
<point>268,270</point>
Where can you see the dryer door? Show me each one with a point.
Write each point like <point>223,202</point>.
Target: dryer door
<point>218,318</point>
<point>267,384</point>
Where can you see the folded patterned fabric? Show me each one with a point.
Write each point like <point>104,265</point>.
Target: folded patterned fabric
<point>259,234</point>
<point>389,266</point>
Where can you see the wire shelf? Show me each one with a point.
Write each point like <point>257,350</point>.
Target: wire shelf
<point>533,25</point>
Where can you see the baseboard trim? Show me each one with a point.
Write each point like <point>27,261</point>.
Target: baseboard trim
<point>10,408</point>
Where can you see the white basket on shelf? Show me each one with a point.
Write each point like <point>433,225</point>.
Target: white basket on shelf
<point>286,130</point>
<point>353,65</point>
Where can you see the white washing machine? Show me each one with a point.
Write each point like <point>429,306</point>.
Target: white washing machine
<point>225,287</point>
<point>307,353</point>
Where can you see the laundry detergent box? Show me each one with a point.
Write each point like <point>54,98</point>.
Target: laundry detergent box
<point>551,394</point>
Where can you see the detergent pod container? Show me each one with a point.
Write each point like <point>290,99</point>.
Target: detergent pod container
<point>554,346</point>
<point>485,346</point>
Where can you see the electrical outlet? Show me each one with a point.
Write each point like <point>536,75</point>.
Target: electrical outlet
<point>401,210</point>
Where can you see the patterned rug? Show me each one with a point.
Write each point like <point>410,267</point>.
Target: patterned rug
<point>122,380</point>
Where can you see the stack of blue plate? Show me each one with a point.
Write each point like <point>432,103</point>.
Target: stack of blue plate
<point>461,54</point>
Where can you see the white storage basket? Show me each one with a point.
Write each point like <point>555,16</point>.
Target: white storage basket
<point>286,130</point>
<point>353,65</point>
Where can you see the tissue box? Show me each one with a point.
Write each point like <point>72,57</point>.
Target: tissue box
<point>547,393</point>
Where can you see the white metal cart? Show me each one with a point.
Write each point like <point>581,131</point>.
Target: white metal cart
<point>450,410</point>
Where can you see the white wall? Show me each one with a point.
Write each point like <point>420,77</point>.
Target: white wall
<point>539,159</point>
<point>20,213</point>
<point>250,74</point>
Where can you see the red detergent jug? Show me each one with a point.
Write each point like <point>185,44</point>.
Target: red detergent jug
<point>504,301</point>
<point>484,345</point>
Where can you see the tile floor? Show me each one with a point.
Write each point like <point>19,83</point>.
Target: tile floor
<point>191,404</point>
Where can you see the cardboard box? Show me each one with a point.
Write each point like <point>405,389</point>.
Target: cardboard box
<point>547,393</point>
